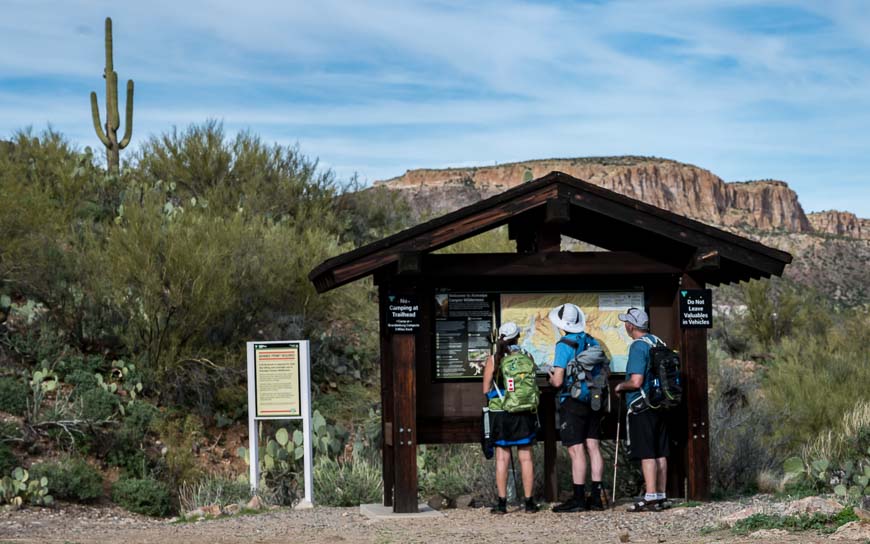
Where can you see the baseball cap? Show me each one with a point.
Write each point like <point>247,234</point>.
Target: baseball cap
<point>636,317</point>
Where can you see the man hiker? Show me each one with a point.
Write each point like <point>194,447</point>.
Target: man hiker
<point>647,432</point>
<point>511,425</point>
<point>579,425</point>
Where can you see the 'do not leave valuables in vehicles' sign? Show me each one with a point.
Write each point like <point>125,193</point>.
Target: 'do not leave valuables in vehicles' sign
<point>403,313</point>
<point>696,308</point>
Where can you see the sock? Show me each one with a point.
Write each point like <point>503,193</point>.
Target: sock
<point>596,487</point>
<point>660,496</point>
<point>649,497</point>
<point>502,501</point>
<point>579,491</point>
<point>530,500</point>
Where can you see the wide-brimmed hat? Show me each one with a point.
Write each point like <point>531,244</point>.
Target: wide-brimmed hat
<point>568,317</point>
<point>509,330</point>
<point>636,317</point>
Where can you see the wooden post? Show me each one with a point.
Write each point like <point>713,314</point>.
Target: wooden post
<point>694,358</point>
<point>387,450</point>
<point>403,351</point>
<point>547,412</point>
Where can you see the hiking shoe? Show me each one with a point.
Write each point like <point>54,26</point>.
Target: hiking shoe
<point>531,506</point>
<point>499,508</point>
<point>642,506</point>
<point>593,502</point>
<point>571,505</point>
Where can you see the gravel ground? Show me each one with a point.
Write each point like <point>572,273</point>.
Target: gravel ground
<point>83,524</point>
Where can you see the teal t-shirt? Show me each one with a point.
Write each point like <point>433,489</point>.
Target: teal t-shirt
<point>638,363</point>
<point>565,354</point>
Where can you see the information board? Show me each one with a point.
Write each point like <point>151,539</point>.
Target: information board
<point>538,336</point>
<point>696,308</point>
<point>403,313</point>
<point>464,333</point>
<point>276,380</point>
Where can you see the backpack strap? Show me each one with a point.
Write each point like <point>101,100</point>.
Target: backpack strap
<point>658,341</point>
<point>568,342</point>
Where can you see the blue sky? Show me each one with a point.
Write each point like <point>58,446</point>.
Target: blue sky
<point>747,90</point>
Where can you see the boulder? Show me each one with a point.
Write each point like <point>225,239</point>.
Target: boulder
<point>436,502</point>
<point>255,503</point>
<point>465,501</point>
<point>863,515</point>
<point>232,509</point>
<point>213,510</point>
<point>813,505</point>
<point>854,530</point>
<point>195,514</point>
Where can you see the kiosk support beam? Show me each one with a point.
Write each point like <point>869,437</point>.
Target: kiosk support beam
<point>694,355</point>
<point>403,354</point>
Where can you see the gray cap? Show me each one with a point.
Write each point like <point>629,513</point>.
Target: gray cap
<point>636,317</point>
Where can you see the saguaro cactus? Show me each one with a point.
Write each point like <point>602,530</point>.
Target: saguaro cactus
<point>109,137</point>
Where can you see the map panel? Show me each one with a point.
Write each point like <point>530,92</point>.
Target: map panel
<point>538,336</point>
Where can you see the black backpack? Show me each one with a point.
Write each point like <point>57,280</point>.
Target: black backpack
<point>666,391</point>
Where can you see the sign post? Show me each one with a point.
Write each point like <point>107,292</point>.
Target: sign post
<point>279,388</point>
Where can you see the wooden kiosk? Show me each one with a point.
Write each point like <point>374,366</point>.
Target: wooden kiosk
<point>650,250</point>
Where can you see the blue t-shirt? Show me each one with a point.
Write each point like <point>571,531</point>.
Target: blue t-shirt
<point>565,354</point>
<point>638,363</point>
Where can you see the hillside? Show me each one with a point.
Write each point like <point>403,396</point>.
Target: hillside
<point>831,248</point>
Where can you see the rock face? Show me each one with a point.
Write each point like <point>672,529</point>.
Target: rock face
<point>681,188</point>
<point>840,224</point>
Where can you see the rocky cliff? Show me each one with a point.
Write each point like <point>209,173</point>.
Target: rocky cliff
<point>682,188</point>
<point>831,249</point>
<point>840,224</point>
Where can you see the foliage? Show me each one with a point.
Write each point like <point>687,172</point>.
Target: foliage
<point>13,396</point>
<point>491,241</point>
<point>98,404</point>
<point>453,470</point>
<point>212,490</point>
<point>143,496</point>
<point>180,434</point>
<point>816,522</point>
<point>19,488</point>
<point>838,460</point>
<point>347,483</point>
<point>740,427</point>
<point>8,459</point>
<point>73,479</point>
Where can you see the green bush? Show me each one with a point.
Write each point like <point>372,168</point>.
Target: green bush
<point>72,480</point>
<point>347,483</point>
<point>143,496</point>
<point>81,380</point>
<point>98,404</point>
<point>8,460</point>
<point>80,365</point>
<point>13,396</point>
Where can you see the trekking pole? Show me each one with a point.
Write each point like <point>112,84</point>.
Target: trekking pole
<point>616,454</point>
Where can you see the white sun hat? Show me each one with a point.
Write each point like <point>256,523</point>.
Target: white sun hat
<point>509,330</point>
<point>568,317</point>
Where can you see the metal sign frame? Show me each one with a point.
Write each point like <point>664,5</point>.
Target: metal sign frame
<point>305,416</point>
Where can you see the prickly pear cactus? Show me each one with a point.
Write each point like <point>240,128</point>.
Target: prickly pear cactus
<point>18,489</point>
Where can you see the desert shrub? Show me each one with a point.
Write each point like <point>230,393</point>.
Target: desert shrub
<point>78,365</point>
<point>97,404</point>
<point>126,443</point>
<point>453,470</point>
<point>180,434</point>
<point>81,380</point>
<point>13,395</point>
<point>210,490</point>
<point>741,442</point>
<point>8,460</point>
<point>814,381</point>
<point>143,496</point>
<point>347,483</point>
<point>72,479</point>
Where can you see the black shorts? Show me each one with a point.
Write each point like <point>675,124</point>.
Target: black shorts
<point>578,422</point>
<point>513,429</point>
<point>648,434</point>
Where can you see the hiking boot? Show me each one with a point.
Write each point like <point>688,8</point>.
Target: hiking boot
<point>500,507</point>
<point>571,505</point>
<point>531,506</point>
<point>593,502</point>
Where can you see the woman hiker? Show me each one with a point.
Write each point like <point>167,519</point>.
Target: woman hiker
<point>509,428</point>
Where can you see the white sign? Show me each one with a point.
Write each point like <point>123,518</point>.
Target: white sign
<point>279,387</point>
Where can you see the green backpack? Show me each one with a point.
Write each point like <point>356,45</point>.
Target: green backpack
<point>520,391</point>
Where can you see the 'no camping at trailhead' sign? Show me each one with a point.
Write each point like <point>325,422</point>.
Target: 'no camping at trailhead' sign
<point>403,313</point>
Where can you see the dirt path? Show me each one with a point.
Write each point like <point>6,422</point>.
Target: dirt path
<point>78,524</point>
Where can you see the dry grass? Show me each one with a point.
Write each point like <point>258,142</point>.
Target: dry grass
<point>829,444</point>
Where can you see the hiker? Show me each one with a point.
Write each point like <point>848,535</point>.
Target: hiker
<point>579,424</point>
<point>512,424</point>
<point>647,431</point>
